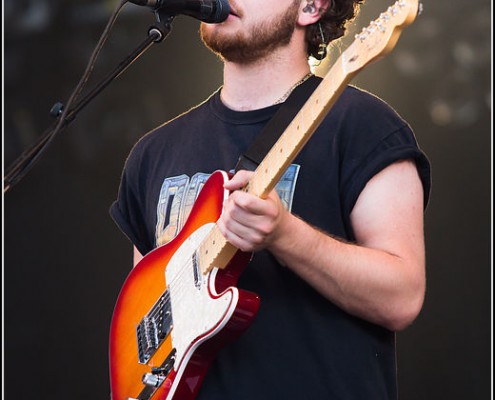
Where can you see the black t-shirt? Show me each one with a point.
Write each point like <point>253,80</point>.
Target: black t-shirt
<point>300,346</point>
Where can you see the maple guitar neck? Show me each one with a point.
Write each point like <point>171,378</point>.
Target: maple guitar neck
<point>374,42</point>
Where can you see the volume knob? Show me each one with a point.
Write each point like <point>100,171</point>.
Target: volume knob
<point>153,380</point>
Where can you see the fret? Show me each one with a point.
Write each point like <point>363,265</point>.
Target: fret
<point>215,251</point>
<point>299,131</point>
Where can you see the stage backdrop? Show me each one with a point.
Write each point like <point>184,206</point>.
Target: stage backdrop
<point>65,260</point>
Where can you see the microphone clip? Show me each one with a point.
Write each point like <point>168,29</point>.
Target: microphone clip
<point>163,27</point>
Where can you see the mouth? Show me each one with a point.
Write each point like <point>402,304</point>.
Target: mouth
<point>233,10</point>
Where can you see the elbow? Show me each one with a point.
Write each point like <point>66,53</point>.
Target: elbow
<point>408,302</point>
<point>405,311</point>
<point>403,319</point>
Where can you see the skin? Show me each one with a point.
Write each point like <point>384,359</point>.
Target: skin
<point>379,278</point>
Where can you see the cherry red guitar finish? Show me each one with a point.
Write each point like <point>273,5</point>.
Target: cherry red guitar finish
<point>147,283</point>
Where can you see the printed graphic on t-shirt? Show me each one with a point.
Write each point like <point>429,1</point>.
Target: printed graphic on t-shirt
<point>178,194</point>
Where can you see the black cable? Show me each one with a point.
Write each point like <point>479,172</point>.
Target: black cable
<point>28,158</point>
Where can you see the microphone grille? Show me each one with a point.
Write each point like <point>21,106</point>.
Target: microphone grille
<point>222,11</point>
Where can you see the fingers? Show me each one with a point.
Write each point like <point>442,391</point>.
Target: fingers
<point>241,236</point>
<point>239,180</point>
<point>247,221</point>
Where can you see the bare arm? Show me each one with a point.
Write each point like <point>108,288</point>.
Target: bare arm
<point>380,278</point>
<point>137,256</point>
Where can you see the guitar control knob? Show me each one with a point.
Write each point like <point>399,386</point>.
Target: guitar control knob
<point>153,379</point>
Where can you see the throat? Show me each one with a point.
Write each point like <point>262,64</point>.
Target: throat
<point>255,91</point>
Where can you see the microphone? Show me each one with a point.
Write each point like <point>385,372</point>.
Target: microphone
<point>210,11</point>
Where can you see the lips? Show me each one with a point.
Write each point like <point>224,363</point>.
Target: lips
<point>233,10</point>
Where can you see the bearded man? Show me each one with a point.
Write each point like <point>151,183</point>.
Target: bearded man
<point>338,247</point>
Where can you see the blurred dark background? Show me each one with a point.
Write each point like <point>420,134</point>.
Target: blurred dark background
<point>65,260</point>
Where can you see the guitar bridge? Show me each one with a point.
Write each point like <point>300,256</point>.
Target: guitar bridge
<point>154,328</point>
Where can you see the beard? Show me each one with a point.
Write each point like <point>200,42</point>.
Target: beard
<point>256,42</point>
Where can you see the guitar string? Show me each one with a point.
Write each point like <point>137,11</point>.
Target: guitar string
<point>180,281</point>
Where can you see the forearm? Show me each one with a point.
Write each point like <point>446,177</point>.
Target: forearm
<point>370,283</point>
<point>381,278</point>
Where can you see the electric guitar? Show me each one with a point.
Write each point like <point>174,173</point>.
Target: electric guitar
<point>179,305</point>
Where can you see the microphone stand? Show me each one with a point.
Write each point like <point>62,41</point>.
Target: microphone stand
<point>26,160</point>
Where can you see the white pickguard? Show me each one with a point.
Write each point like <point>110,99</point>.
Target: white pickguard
<point>194,311</point>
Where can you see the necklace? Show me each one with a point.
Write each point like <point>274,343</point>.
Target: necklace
<point>287,94</point>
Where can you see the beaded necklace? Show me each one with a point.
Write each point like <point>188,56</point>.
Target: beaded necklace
<point>287,94</point>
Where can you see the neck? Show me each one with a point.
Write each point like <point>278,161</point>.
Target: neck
<point>260,84</point>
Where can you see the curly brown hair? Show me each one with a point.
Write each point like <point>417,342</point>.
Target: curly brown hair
<point>333,24</point>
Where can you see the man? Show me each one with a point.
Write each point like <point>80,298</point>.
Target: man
<point>339,248</point>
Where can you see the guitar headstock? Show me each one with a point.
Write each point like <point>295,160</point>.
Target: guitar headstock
<point>380,36</point>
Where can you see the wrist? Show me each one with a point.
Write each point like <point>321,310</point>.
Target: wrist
<point>284,237</point>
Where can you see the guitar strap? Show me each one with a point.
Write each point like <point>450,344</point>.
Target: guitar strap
<point>276,126</point>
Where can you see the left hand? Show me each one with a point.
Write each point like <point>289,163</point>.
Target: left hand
<point>249,222</point>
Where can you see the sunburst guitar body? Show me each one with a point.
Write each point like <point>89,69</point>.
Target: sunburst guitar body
<point>172,316</point>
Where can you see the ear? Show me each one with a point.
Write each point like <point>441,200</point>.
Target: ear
<point>310,11</point>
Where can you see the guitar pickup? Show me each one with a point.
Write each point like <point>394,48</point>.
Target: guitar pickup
<point>196,272</point>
